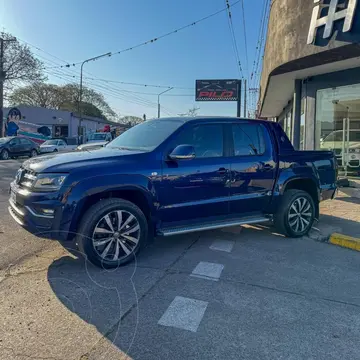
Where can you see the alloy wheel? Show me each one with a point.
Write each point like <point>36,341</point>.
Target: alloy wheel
<point>33,153</point>
<point>300,215</point>
<point>116,235</point>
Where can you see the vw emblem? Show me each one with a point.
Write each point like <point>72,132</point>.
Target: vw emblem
<point>18,176</point>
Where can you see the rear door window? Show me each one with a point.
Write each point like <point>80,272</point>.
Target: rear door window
<point>248,139</point>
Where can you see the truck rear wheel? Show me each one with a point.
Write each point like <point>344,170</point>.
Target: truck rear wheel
<point>112,232</point>
<point>296,213</point>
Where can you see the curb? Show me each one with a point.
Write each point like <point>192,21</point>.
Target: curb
<point>345,241</point>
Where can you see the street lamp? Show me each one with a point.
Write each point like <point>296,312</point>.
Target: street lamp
<point>81,81</point>
<point>159,100</point>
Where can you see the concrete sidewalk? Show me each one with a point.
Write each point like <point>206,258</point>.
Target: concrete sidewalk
<point>341,215</point>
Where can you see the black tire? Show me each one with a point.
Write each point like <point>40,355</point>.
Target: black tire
<point>33,153</point>
<point>91,219</point>
<point>282,217</point>
<point>55,150</point>
<point>4,155</point>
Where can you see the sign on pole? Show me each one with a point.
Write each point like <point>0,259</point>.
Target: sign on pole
<point>217,90</point>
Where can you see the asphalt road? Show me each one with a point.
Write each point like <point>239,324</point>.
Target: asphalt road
<point>15,243</point>
<point>248,294</point>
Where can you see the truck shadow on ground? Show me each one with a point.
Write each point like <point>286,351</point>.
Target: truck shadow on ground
<point>105,298</point>
<point>353,200</point>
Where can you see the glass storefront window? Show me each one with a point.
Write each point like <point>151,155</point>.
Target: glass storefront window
<point>302,124</point>
<point>288,124</point>
<point>338,125</point>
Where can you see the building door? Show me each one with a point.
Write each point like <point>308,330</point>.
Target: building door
<point>338,126</point>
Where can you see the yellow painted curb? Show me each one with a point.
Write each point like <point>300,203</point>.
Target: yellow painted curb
<point>345,241</point>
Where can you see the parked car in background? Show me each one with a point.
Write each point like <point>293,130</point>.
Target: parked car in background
<point>53,145</point>
<point>92,146</point>
<point>168,177</point>
<point>99,136</point>
<point>14,146</point>
<point>334,141</point>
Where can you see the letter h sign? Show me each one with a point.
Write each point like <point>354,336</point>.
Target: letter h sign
<point>333,15</point>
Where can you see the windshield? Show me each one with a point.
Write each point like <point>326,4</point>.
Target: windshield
<point>147,135</point>
<point>97,136</point>
<point>51,142</point>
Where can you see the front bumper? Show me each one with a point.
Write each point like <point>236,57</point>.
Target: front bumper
<point>26,208</point>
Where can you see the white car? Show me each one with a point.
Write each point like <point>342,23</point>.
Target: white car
<point>54,145</point>
<point>92,145</point>
<point>100,136</point>
<point>334,140</point>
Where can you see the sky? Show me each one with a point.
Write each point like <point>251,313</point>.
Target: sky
<point>70,31</point>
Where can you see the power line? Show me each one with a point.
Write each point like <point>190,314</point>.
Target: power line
<point>125,90</point>
<point>57,72</point>
<point>125,94</point>
<point>118,95</point>
<point>254,78</point>
<point>245,37</point>
<point>45,52</point>
<point>153,40</point>
<point>234,44</point>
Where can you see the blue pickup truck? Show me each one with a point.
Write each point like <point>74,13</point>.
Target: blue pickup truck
<point>172,176</point>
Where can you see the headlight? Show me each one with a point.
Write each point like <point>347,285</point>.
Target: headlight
<point>49,182</point>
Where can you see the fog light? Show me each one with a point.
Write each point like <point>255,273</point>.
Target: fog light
<point>48,211</point>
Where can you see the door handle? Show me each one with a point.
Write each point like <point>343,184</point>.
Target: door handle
<point>222,171</point>
<point>267,167</point>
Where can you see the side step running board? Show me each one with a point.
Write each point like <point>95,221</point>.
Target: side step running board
<point>211,226</point>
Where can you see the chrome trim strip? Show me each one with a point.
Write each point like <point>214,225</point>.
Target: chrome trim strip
<point>14,207</point>
<point>31,211</point>
<point>11,211</point>
<point>214,226</point>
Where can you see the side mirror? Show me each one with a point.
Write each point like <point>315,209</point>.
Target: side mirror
<point>183,152</point>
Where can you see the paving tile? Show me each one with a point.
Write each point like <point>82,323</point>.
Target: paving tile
<point>208,271</point>
<point>222,245</point>
<point>184,313</point>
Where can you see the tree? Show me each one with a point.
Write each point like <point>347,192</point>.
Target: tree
<point>71,92</point>
<point>38,94</point>
<point>132,120</point>
<point>19,63</point>
<point>63,97</point>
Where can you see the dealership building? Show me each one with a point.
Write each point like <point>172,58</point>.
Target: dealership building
<point>310,81</point>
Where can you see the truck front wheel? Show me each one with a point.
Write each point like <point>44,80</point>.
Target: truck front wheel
<point>112,232</point>
<point>296,213</point>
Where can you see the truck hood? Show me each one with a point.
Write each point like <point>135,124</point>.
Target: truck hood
<point>67,161</point>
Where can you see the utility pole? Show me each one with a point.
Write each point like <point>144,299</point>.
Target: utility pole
<point>238,113</point>
<point>81,85</point>
<point>2,79</point>
<point>245,93</point>
<point>159,100</point>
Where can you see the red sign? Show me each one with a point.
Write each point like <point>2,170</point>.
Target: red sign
<point>217,90</point>
<point>216,94</point>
